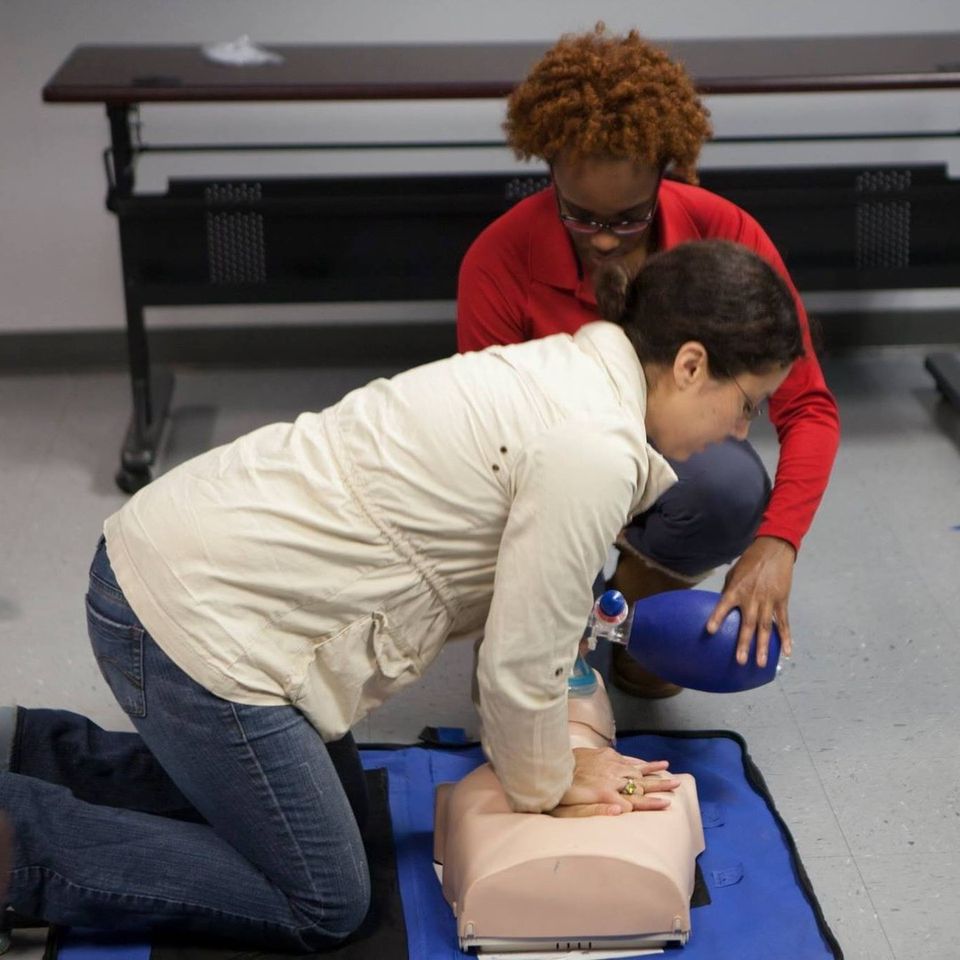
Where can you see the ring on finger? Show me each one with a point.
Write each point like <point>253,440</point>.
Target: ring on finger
<point>630,787</point>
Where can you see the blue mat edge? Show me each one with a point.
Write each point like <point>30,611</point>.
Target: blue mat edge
<point>752,774</point>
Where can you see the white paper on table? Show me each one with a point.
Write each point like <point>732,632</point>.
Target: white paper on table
<point>242,52</point>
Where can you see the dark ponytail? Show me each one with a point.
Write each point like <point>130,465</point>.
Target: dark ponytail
<point>713,291</point>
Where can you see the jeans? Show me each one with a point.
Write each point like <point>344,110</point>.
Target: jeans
<point>218,820</point>
<point>709,517</point>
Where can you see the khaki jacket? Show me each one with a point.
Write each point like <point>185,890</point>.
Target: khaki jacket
<point>324,563</point>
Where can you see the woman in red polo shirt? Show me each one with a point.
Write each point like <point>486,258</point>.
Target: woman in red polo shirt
<point>621,127</point>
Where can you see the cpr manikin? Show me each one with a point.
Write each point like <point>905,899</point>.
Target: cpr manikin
<point>521,881</point>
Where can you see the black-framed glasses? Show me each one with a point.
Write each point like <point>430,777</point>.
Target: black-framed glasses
<point>751,408</point>
<point>589,227</point>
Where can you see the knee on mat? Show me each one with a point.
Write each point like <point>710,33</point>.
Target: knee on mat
<point>339,914</point>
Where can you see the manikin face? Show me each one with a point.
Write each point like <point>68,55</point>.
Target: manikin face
<point>687,409</point>
<point>611,192</point>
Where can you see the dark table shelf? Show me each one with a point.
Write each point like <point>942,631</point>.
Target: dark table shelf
<point>226,241</point>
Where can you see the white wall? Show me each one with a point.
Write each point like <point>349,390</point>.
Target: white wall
<point>59,265</point>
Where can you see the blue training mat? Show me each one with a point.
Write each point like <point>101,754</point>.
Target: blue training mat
<point>761,904</point>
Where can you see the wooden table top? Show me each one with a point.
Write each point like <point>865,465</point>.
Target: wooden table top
<point>128,74</point>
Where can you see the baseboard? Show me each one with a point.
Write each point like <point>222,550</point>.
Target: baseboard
<point>842,332</point>
<point>405,344</point>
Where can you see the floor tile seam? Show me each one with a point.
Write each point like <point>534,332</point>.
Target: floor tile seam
<point>816,773</point>
<point>828,858</point>
<point>901,548</point>
<point>908,754</point>
<point>948,855</point>
<point>934,848</point>
<point>839,825</point>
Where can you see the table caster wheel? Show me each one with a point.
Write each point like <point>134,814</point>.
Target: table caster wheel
<point>130,481</point>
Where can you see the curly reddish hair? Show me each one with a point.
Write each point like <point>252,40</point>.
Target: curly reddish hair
<point>594,94</point>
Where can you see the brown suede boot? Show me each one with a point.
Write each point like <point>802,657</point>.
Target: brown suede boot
<point>636,578</point>
<point>627,675</point>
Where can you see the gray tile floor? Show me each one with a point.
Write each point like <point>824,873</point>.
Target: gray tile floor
<point>856,738</point>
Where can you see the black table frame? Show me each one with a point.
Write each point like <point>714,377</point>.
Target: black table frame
<point>123,77</point>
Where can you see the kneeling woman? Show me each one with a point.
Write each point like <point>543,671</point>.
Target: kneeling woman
<point>251,606</point>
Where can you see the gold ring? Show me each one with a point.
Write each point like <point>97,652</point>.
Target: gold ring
<point>629,788</point>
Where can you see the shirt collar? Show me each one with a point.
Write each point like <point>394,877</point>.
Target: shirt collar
<point>674,221</point>
<point>552,257</point>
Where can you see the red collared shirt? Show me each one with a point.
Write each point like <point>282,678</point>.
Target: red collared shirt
<point>520,280</point>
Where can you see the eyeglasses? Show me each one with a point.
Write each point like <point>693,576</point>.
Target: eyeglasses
<point>751,409</point>
<point>619,228</point>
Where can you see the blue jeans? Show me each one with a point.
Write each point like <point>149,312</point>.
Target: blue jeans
<point>217,820</point>
<point>710,516</point>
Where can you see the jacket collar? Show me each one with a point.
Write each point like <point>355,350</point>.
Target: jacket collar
<point>609,346</point>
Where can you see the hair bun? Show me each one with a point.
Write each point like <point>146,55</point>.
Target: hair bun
<point>610,285</point>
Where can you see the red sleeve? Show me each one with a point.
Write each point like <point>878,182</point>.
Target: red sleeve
<point>492,289</point>
<point>805,416</point>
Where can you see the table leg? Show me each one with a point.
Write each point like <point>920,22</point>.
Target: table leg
<point>151,390</point>
<point>151,403</point>
<point>945,370</point>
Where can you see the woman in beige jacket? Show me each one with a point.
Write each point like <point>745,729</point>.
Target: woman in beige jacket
<point>248,608</point>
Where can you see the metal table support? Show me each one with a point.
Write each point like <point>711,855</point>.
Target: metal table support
<point>124,76</point>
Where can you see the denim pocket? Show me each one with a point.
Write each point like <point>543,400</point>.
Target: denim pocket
<point>118,648</point>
